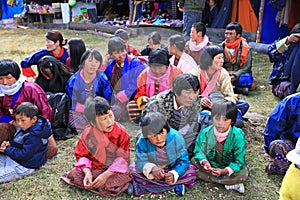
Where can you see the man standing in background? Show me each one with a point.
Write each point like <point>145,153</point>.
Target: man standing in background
<point>192,13</point>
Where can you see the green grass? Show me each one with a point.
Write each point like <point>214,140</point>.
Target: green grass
<point>46,184</point>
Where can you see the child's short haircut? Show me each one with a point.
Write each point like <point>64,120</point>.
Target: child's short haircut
<point>185,82</point>
<point>115,44</point>
<point>27,109</point>
<point>153,123</point>
<point>122,34</point>
<point>200,27</point>
<point>96,107</point>
<point>225,108</point>
<point>155,36</point>
<point>178,40</point>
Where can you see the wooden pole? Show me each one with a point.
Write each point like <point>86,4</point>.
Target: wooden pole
<point>131,7</point>
<point>260,19</point>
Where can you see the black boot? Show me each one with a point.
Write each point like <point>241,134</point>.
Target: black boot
<point>241,90</point>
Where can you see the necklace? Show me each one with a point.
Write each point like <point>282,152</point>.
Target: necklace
<point>89,87</point>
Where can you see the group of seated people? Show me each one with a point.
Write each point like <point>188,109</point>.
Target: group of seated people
<point>164,95</point>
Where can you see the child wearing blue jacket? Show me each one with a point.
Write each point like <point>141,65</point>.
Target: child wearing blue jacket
<point>27,150</point>
<point>162,163</point>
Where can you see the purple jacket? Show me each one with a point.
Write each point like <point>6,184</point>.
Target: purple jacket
<point>30,92</point>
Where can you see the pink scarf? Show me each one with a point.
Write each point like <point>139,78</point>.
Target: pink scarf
<point>82,76</point>
<point>163,82</point>
<point>221,136</point>
<point>208,87</point>
<point>194,47</point>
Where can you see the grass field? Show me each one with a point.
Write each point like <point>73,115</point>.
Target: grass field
<point>45,183</point>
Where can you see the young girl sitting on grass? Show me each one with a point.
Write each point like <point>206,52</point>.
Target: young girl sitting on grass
<point>162,162</point>
<point>220,151</point>
<point>102,152</point>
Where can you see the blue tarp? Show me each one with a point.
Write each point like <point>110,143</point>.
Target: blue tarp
<point>10,11</point>
<point>270,28</point>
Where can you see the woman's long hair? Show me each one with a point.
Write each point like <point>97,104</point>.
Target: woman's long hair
<point>60,75</point>
<point>77,48</point>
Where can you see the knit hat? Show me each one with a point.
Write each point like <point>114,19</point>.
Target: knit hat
<point>294,155</point>
<point>122,34</point>
<point>159,57</point>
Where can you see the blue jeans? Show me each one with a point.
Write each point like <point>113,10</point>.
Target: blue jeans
<point>11,170</point>
<point>189,18</point>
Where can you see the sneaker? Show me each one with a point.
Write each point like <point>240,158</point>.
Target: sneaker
<point>130,189</point>
<point>180,190</point>
<point>238,187</point>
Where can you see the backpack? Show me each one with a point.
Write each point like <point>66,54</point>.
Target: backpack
<point>60,104</point>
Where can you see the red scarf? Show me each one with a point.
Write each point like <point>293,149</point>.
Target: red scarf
<point>59,55</point>
<point>235,45</point>
<point>96,142</point>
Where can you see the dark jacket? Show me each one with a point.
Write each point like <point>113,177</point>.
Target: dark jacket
<point>196,6</point>
<point>284,121</point>
<point>27,62</point>
<point>28,148</point>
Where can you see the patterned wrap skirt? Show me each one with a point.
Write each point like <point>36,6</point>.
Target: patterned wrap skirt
<point>142,185</point>
<point>77,121</point>
<point>115,184</point>
<point>235,178</point>
<point>278,150</point>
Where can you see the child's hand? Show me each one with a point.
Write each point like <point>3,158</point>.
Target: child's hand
<point>2,149</point>
<point>169,178</point>
<point>218,171</point>
<point>101,179</point>
<point>107,57</point>
<point>5,144</point>
<point>88,179</point>
<point>207,167</point>
<point>158,173</point>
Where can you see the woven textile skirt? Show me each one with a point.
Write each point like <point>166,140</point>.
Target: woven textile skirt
<point>115,184</point>
<point>235,178</point>
<point>142,185</point>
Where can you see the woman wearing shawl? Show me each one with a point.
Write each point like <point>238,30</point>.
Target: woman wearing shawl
<point>153,80</point>
<point>214,78</point>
